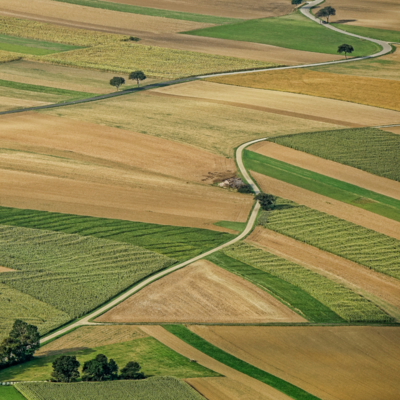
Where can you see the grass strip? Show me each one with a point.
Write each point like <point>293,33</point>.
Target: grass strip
<point>154,12</point>
<point>10,393</point>
<point>292,296</point>
<point>380,34</point>
<point>231,361</point>
<point>347,193</point>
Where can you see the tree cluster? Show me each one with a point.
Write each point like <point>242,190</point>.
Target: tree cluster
<point>66,369</point>
<point>326,12</point>
<point>137,76</point>
<point>267,201</point>
<point>20,345</point>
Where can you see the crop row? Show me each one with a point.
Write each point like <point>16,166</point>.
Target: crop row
<point>345,239</point>
<point>157,388</point>
<point>70,272</point>
<point>344,302</point>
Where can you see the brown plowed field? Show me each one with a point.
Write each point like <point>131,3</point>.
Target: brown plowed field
<point>188,351</point>
<point>335,170</point>
<point>224,388</point>
<point>332,363</point>
<point>201,292</point>
<point>330,206</point>
<point>5,269</point>
<point>313,106</point>
<point>393,129</point>
<point>381,289</point>
<point>66,166</point>
<point>87,337</point>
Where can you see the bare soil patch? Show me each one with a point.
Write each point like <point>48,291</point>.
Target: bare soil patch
<point>87,337</point>
<point>332,363</point>
<point>313,106</point>
<point>393,129</point>
<point>330,206</point>
<point>5,269</point>
<point>188,351</point>
<point>201,292</point>
<point>381,289</point>
<point>335,170</point>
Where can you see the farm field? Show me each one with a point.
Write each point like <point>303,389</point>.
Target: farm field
<point>167,388</point>
<point>381,34</point>
<point>10,393</point>
<point>314,83</point>
<point>362,362</point>
<point>201,292</point>
<point>394,129</point>
<point>379,288</point>
<point>9,103</point>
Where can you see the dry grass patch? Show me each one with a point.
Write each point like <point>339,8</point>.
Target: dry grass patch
<point>201,292</point>
<point>350,363</point>
<point>7,56</point>
<point>323,84</point>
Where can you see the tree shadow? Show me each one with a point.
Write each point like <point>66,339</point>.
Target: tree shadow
<point>345,21</point>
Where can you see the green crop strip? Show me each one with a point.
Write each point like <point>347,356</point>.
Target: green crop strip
<point>291,295</point>
<point>369,149</point>
<point>10,393</point>
<point>356,196</point>
<point>292,31</point>
<point>154,12</point>
<point>380,34</point>
<point>207,348</point>
<point>179,243</point>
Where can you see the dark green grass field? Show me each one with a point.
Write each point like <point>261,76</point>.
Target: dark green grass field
<point>291,295</point>
<point>30,46</point>
<point>200,344</point>
<point>10,393</point>
<point>292,31</point>
<point>154,12</point>
<point>179,243</point>
<point>381,34</point>
<point>369,149</point>
<point>324,185</point>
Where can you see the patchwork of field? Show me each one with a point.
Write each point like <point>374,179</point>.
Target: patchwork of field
<point>362,361</point>
<point>201,292</point>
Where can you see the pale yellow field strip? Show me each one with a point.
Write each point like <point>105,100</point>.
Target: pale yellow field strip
<point>329,168</point>
<point>314,106</point>
<point>330,206</point>
<point>332,363</point>
<point>393,129</point>
<point>8,103</point>
<point>188,351</point>
<point>5,269</point>
<point>379,288</point>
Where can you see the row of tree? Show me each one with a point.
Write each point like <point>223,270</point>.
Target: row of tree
<point>137,76</point>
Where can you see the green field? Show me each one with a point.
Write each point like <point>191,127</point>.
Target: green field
<point>165,388</point>
<point>199,343</point>
<point>381,34</point>
<point>345,239</point>
<point>179,243</point>
<point>10,393</point>
<point>368,149</point>
<point>340,299</point>
<point>324,185</point>
<point>154,12</point>
<point>29,46</point>
<point>155,359</point>
<point>291,31</point>
<point>292,296</point>
<point>235,226</point>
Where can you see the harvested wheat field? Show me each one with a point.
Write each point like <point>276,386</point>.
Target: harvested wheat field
<point>329,168</point>
<point>87,337</point>
<point>217,128</point>
<point>307,105</point>
<point>327,205</point>
<point>341,87</point>
<point>393,129</point>
<point>332,363</point>
<point>224,388</point>
<point>190,352</point>
<point>5,269</point>
<point>379,288</point>
<point>201,292</point>
<point>9,103</point>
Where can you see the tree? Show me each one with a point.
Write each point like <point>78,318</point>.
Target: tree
<point>138,76</point>
<point>100,369</point>
<point>245,189</point>
<point>65,369</point>
<point>267,201</point>
<point>346,49</point>
<point>131,371</point>
<point>296,1</point>
<point>117,81</point>
<point>326,12</point>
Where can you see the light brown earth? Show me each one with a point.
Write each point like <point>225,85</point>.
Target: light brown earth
<point>330,206</point>
<point>8,103</point>
<point>329,168</point>
<point>224,388</point>
<point>201,292</point>
<point>309,105</point>
<point>332,363</point>
<point>393,129</point>
<point>87,337</point>
<point>188,351</point>
<point>55,164</point>
<point>5,269</point>
<point>379,288</point>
